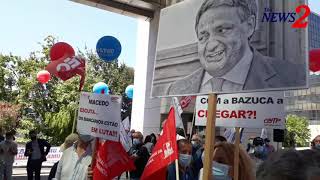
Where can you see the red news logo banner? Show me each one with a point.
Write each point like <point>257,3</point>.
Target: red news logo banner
<point>247,110</point>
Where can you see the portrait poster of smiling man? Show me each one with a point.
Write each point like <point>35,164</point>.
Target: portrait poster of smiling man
<point>231,46</point>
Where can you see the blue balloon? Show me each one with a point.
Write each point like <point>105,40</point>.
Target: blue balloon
<point>108,48</point>
<point>129,91</point>
<point>101,88</point>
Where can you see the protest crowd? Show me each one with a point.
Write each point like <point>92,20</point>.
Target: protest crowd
<point>223,62</point>
<point>258,160</point>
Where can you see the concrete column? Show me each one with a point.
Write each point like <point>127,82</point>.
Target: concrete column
<point>145,111</point>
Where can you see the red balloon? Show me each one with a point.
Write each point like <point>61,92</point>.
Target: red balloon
<point>61,49</point>
<point>43,76</point>
<point>314,60</point>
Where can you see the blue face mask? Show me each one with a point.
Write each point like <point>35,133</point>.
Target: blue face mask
<point>317,146</point>
<point>136,141</point>
<point>220,171</point>
<point>185,159</point>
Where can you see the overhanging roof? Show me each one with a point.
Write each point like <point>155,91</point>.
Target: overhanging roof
<point>134,8</point>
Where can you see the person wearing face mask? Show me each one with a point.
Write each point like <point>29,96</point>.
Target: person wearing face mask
<point>36,153</point>
<point>139,153</point>
<point>76,160</point>
<point>186,170</point>
<point>9,150</point>
<point>260,151</point>
<point>196,142</point>
<point>315,143</point>
<point>223,162</point>
<point>68,142</point>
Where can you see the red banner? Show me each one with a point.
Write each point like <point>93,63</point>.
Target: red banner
<point>111,161</point>
<point>67,67</point>
<point>164,152</point>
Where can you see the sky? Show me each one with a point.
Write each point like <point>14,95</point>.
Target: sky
<point>25,23</point>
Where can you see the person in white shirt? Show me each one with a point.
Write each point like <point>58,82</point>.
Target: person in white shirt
<point>75,161</point>
<point>8,149</point>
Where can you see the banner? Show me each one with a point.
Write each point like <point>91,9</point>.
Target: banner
<point>249,110</point>
<point>198,53</point>
<point>165,151</point>
<point>178,111</point>
<point>53,156</point>
<point>125,139</point>
<point>112,161</point>
<point>99,116</point>
<point>185,101</point>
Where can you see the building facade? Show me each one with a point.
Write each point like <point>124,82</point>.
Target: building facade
<point>306,102</point>
<point>314,31</point>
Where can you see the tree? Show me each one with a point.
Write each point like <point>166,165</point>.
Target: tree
<point>9,115</point>
<point>51,109</point>
<point>297,132</point>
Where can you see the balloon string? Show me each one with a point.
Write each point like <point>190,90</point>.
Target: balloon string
<point>44,86</point>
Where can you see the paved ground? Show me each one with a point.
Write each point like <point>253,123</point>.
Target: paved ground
<point>21,173</point>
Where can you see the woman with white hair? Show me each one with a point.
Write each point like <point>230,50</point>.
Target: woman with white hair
<point>68,142</point>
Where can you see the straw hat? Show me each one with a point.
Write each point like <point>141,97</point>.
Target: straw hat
<point>69,141</point>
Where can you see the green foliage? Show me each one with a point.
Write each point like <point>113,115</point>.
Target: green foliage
<point>23,129</point>
<point>297,133</point>
<point>51,110</point>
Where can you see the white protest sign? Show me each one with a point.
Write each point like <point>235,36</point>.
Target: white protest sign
<point>124,136</point>
<point>247,110</point>
<point>99,116</point>
<point>53,156</point>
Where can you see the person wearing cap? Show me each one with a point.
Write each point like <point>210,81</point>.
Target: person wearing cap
<point>36,151</point>
<point>259,153</point>
<point>75,161</point>
<point>68,142</point>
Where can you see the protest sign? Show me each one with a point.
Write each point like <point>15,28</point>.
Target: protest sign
<point>99,116</point>
<point>248,110</point>
<point>53,156</point>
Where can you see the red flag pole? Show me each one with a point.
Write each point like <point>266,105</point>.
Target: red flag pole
<point>177,169</point>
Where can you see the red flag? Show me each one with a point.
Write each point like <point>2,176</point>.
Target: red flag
<point>67,67</point>
<point>111,161</point>
<point>164,152</point>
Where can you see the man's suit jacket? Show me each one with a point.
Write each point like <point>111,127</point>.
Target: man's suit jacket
<point>265,72</point>
<point>42,143</point>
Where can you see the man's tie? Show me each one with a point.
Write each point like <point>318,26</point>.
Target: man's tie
<point>217,84</point>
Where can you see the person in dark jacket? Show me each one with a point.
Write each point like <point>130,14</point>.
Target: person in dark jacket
<point>186,170</point>
<point>36,153</point>
<point>139,154</point>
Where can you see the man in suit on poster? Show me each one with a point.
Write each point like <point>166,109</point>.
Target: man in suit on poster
<point>229,63</point>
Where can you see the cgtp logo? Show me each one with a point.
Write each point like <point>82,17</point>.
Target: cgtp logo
<point>290,17</point>
<point>271,121</point>
<point>167,149</point>
<point>68,64</point>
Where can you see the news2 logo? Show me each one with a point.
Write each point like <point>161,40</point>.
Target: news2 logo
<point>290,17</point>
